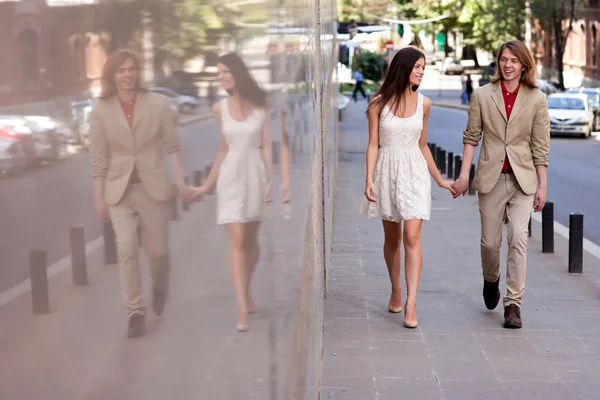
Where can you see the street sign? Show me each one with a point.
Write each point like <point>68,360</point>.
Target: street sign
<point>389,45</point>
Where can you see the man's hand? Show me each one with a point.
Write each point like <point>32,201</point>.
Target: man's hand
<point>461,186</point>
<point>102,210</point>
<point>540,199</point>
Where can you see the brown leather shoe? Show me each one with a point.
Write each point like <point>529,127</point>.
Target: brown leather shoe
<point>512,317</point>
<point>491,294</point>
<point>137,326</point>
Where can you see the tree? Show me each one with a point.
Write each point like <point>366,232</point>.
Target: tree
<point>556,16</point>
<point>492,22</point>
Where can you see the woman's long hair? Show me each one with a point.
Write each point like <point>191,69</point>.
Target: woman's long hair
<point>397,79</point>
<point>244,81</point>
<point>520,50</point>
<point>114,61</point>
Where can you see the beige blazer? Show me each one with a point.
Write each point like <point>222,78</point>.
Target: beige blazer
<point>116,148</point>
<point>525,138</point>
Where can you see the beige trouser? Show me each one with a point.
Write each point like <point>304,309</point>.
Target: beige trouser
<point>505,199</point>
<point>153,216</point>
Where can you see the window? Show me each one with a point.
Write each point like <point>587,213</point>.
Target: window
<point>28,46</point>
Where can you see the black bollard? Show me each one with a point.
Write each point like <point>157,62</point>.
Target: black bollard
<point>438,157</point>
<point>576,243</point>
<point>457,165</point>
<point>198,179</point>
<point>276,152</point>
<point>471,178</point>
<point>110,244</point>
<point>529,226</point>
<point>450,165</point>
<point>174,204</point>
<point>39,282</point>
<point>442,162</point>
<point>432,149</point>
<point>185,206</point>
<point>78,260</point>
<point>548,228</point>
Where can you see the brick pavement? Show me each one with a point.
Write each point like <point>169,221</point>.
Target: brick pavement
<point>460,350</point>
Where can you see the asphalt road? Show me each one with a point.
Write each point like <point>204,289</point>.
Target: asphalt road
<point>573,173</point>
<point>38,207</point>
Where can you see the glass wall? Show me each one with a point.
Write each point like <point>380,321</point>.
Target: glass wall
<point>120,282</point>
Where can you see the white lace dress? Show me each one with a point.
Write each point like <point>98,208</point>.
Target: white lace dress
<point>402,180</point>
<point>241,184</point>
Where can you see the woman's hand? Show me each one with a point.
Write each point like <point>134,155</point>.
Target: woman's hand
<point>197,191</point>
<point>448,186</point>
<point>370,192</point>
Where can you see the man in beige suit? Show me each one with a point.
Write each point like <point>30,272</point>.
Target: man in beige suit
<point>511,170</point>
<point>129,131</point>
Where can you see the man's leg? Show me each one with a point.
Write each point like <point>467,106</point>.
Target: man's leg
<point>355,92</point>
<point>362,91</point>
<point>492,208</point>
<point>154,218</point>
<point>519,212</point>
<point>125,221</point>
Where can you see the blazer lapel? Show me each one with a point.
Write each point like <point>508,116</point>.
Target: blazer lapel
<point>520,101</point>
<point>117,111</point>
<point>139,109</point>
<point>499,100</point>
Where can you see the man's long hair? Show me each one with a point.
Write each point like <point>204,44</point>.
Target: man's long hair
<point>114,61</point>
<point>520,50</point>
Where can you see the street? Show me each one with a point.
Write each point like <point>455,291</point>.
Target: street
<point>39,206</point>
<point>573,173</point>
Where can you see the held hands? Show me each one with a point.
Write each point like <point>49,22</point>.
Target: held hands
<point>370,192</point>
<point>198,191</point>
<point>461,186</point>
<point>186,193</point>
<point>448,185</point>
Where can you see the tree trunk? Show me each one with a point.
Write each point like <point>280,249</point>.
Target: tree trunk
<point>558,48</point>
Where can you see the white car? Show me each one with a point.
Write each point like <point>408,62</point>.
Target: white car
<point>570,114</point>
<point>180,103</point>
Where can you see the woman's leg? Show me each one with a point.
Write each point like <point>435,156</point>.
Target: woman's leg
<point>238,265</point>
<point>413,263</point>
<point>391,253</point>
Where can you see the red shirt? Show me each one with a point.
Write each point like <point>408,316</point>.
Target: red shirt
<point>128,108</point>
<point>509,103</point>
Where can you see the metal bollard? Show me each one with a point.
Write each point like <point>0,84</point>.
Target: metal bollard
<point>432,148</point>
<point>276,152</point>
<point>198,179</point>
<point>548,228</point>
<point>576,243</point>
<point>174,204</point>
<point>529,226</point>
<point>457,165</point>
<point>110,244</point>
<point>438,157</point>
<point>450,165</point>
<point>442,162</point>
<point>471,178</point>
<point>78,259</point>
<point>185,206</point>
<point>39,282</point>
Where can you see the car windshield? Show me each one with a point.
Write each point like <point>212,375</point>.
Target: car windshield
<point>565,103</point>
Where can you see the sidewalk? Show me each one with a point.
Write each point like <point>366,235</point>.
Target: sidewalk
<point>460,350</point>
<point>79,351</point>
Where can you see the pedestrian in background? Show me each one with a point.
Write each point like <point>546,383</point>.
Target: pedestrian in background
<point>359,78</point>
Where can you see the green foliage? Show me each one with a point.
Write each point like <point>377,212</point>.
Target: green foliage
<point>373,65</point>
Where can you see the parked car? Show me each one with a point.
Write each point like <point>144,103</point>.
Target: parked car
<point>594,95</point>
<point>546,87</point>
<point>451,67</point>
<point>570,113</point>
<point>80,111</point>
<point>183,104</point>
<point>39,143</point>
<point>12,157</point>
<point>487,74</point>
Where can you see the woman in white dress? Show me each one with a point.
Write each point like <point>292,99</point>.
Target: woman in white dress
<point>241,173</point>
<point>399,164</point>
